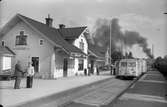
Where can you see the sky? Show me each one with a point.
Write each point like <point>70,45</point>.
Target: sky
<point>143,16</point>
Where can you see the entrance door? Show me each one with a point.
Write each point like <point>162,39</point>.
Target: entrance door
<point>35,63</point>
<point>65,67</point>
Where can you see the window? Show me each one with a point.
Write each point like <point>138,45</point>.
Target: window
<point>81,64</point>
<point>81,45</point>
<point>41,42</point>
<point>131,64</point>
<point>3,43</point>
<point>6,64</point>
<point>21,39</point>
<point>123,64</point>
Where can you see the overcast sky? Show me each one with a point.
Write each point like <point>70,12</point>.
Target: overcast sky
<point>143,16</point>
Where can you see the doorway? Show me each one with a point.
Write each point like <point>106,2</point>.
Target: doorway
<point>35,63</point>
<point>65,67</point>
<point>92,66</point>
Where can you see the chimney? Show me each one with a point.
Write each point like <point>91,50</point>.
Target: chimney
<point>61,26</point>
<point>49,21</point>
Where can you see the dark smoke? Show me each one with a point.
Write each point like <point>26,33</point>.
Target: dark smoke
<point>101,36</point>
<point>131,38</point>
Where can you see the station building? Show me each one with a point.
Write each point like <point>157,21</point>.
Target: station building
<point>54,52</point>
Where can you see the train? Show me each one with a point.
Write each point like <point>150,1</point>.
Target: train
<point>130,67</point>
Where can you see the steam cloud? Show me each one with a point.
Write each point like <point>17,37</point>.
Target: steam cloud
<point>101,36</point>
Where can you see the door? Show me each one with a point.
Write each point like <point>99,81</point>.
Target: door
<point>65,67</point>
<point>92,66</point>
<point>35,63</point>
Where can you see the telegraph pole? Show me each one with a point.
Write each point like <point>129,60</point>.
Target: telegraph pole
<point>110,42</point>
<point>152,50</point>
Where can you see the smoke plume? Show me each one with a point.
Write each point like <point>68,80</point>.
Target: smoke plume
<point>101,36</point>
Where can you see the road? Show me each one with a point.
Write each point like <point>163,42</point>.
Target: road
<point>102,95</point>
<point>149,91</point>
<point>96,95</point>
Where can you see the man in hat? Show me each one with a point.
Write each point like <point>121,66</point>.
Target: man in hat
<point>18,75</point>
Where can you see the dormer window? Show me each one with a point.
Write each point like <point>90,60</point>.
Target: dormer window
<point>21,39</point>
<point>3,43</point>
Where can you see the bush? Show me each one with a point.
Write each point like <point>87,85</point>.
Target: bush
<point>161,65</point>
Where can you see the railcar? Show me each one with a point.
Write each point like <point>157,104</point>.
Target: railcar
<point>130,67</point>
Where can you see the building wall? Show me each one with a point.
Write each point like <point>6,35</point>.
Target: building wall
<point>71,67</point>
<point>58,61</point>
<point>33,49</point>
<point>58,68</point>
<point>77,43</point>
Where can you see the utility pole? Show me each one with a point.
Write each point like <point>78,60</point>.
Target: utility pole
<point>110,40</point>
<point>125,49</point>
<point>152,50</point>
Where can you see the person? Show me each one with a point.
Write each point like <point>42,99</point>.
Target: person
<point>85,71</point>
<point>30,74</point>
<point>18,75</point>
<point>89,69</point>
<point>97,70</point>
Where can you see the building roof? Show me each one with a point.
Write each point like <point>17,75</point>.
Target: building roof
<point>6,51</point>
<point>50,33</point>
<point>71,33</point>
<point>96,51</point>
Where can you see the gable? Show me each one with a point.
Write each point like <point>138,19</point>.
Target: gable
<point>81,40</point>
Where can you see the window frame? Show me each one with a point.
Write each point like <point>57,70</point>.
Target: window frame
<point>81,65</point>
<point>41,42</point>
<point>4,64</point>
<point>21,39</point>
<point>81,45</point>
<point>3,43</point>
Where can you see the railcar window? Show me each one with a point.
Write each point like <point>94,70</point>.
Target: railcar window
<point>124,64</point>
<point>131,64</point>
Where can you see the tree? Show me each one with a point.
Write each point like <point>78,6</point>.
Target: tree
<point>116,55</point>
<point>161,65</point>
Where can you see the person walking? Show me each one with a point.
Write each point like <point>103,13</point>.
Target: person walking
<point>18,75</point>
<point>30,74</point>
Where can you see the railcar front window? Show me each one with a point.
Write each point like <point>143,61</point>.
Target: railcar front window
<point>131,64</point>
<point>124,64</point>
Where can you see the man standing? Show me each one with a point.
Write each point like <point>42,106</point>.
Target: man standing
<point>18,75</point>
<point>30,74</point>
